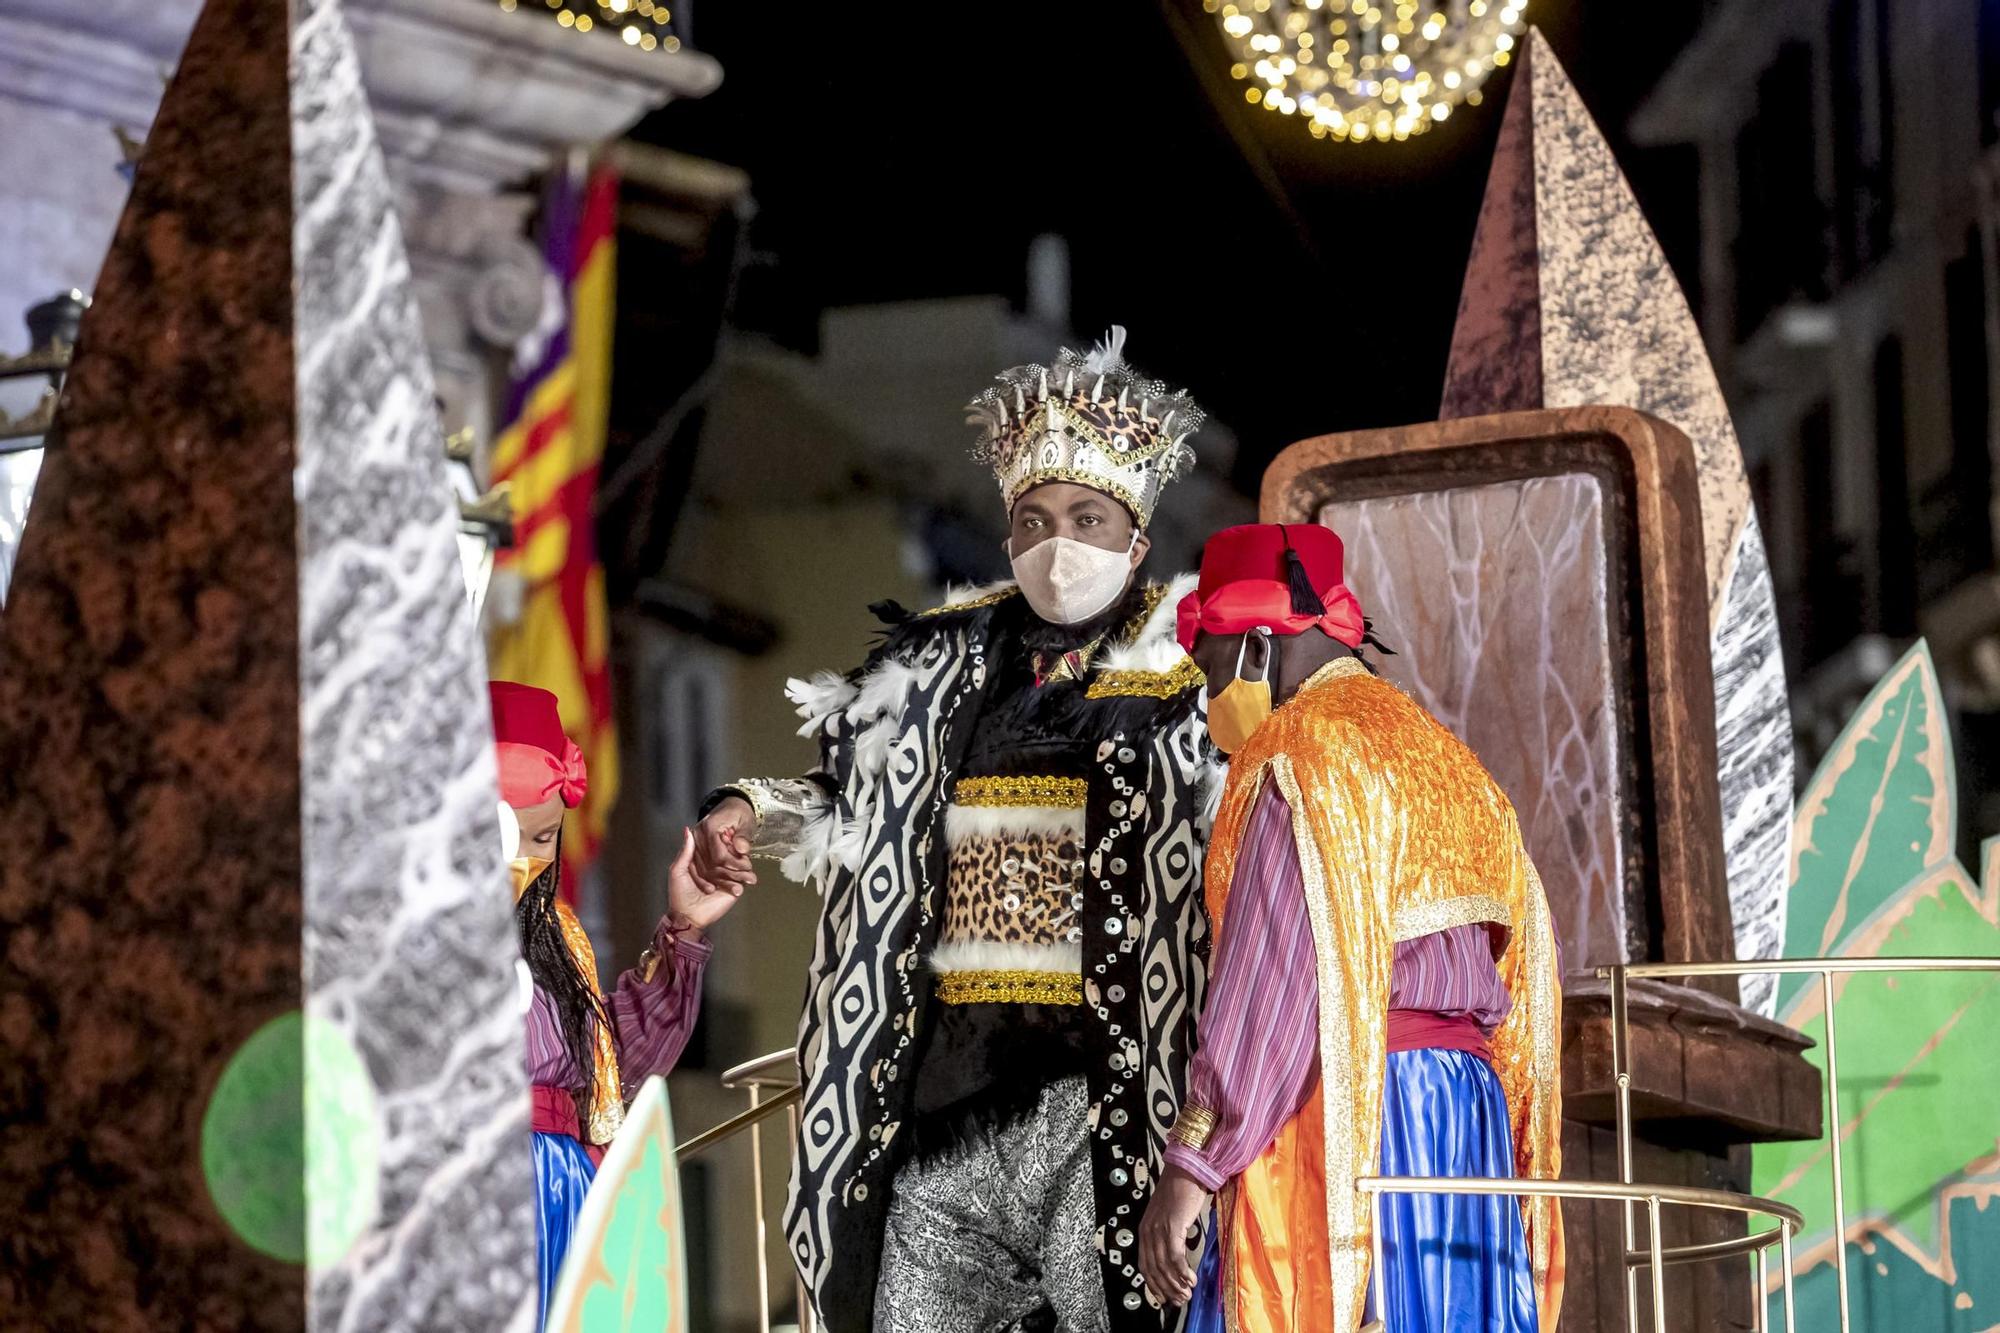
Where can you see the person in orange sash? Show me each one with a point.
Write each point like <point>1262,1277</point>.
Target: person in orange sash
<point>1384,996</point>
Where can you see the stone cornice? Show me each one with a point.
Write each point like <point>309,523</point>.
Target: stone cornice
<point>78,70</point>
<point>468,97</point>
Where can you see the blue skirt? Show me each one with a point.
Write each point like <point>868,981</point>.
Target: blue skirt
<point>1455,1262</point>
<point>563,1172</point>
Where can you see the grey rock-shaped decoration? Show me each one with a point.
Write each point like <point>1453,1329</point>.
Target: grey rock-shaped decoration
<point>410,947</point>
<point>259,1022</point>
<point>1568,300</point>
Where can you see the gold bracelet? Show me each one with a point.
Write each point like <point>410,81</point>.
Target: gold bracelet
<point>1193,1126</point>
<point>747,791</point>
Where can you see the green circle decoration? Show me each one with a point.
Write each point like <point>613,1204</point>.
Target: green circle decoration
<point>293,1118</point>
<point>343,1144</point>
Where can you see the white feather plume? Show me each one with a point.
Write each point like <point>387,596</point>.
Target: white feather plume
<point>819,697</point>
<point>813,860</point>
<point>882,692</point>
<point>1109,354</point>
<point>872,746</point>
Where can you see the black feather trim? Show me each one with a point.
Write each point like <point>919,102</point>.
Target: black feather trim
<point>1066,709</point>
<point>903,639</point>
<point>985,1068</point>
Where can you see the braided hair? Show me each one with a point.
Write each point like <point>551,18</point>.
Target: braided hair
<point>556,973</point>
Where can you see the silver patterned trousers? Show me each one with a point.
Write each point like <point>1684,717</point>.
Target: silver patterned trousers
<point>1001,1235</point>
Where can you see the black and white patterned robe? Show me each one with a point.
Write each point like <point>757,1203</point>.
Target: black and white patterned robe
<point>867,827</point>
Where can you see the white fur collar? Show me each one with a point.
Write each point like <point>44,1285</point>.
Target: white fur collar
<point>1156,647</point>
<point>964,594</point>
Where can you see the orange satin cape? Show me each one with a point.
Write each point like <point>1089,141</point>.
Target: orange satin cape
<point>1400,832</point>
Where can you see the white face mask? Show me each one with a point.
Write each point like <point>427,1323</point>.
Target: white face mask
<point>1068,581</point>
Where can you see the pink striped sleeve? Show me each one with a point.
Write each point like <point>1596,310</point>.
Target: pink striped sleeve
<point>651,1019</point>
<point>1259,1048</point>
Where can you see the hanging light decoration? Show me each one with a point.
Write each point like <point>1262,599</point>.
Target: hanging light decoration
<point>637,23</point>
<point>1367,69</point>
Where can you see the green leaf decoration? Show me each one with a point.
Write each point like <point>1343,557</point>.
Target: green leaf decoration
<point>626,1269</point>
<point>1875,877</point>
<point>1880,811</point>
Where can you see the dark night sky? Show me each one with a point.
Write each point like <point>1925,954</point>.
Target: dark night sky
<point>913,151</point>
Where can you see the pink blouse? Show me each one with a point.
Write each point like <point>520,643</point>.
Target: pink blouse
<point>650,1019</point>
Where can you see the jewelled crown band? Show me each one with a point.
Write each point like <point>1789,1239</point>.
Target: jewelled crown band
<point>1089,419</point>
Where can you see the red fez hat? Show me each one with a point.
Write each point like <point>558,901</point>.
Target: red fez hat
<point>537,759</point>
<point>1285,578</point>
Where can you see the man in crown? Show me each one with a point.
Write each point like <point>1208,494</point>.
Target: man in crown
<point>1007,827</point>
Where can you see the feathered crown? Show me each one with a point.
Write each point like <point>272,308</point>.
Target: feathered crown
<point>1090,419</point>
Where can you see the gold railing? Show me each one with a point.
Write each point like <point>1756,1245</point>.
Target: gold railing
<point>1655,1257</point>
<point>777,1071</point>
<point>1826,968</point>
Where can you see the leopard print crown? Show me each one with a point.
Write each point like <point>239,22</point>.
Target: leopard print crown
<point>1089,419</point>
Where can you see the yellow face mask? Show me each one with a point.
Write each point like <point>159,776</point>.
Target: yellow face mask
<point>526,870</point>
<point>1244,705</point>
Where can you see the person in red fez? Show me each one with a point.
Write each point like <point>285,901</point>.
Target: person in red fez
<point>1383,996</point>
<point>587,1051</point>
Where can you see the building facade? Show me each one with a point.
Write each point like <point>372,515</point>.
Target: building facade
<point>1845,153</point>
<point>472,102</point>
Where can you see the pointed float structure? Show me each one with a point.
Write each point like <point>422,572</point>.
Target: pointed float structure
<point>1568,301</point>
<point>259,1021</point>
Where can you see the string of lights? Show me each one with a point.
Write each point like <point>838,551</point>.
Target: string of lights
<point>1367,69</point>
<point>640,23</point>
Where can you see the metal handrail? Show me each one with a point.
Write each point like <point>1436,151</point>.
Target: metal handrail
<point>1620,973</point>
<point>779,1069</point>
<point>1657,1258</point>
<point>1704,1252</point>
<point>1792,966</point>
<point>736,1124</point>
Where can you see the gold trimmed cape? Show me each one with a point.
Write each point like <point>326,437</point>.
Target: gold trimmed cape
<point>1400,832</point>
<point>607,1092</point>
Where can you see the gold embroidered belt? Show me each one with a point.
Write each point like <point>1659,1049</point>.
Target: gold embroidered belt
<point>1009,987</point>
<point>1039,792</point>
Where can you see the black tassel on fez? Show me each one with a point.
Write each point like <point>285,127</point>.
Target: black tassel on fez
<point>1305,598</point>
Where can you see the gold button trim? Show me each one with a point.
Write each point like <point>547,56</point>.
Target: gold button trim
<point>1185,676</point>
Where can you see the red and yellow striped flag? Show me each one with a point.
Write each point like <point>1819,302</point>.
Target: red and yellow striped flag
<point>549,455</point>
